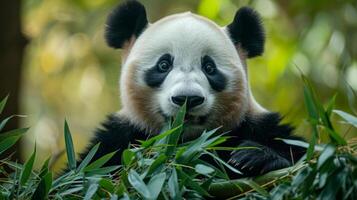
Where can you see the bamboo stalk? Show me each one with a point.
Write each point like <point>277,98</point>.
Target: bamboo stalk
<point>239,187</point>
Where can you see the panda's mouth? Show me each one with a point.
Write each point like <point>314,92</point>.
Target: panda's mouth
<point>195,120</point>
<point>189,119</point>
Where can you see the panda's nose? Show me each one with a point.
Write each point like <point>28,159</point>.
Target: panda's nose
<point>192,101</point>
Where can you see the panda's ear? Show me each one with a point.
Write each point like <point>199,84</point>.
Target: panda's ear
<point>126,21</point>
<point>247,32</point>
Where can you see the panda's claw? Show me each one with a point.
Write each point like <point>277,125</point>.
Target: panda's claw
<point>253,162</point>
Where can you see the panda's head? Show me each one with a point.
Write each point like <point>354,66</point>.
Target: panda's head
<point>185,57</point>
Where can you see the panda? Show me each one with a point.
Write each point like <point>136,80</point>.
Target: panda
<point>186,57</point>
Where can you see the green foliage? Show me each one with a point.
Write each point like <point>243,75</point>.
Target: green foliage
<point>3,103</point>
<point>327,173</point>
<point>162,167</point>
<point>69,147</point>
<point>332,175</point>
<point>27,169</point>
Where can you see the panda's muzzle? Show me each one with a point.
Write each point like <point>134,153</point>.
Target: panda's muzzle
<point>191,102</point>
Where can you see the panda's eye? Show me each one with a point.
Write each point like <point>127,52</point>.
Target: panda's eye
<point>163,66</point>
<point>209,68</point>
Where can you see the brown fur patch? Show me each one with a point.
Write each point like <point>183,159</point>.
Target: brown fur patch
<point>243,55</point>
<point>230,107</point>
<point>141,101</point>
<point>126,48</point>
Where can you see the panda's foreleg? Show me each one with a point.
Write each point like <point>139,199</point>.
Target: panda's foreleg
<point>257,159</point>
<point>116,134</point>
<point>262,157</point>
<point>266,151</point>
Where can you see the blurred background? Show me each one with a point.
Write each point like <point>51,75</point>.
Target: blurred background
<point>56,66</point>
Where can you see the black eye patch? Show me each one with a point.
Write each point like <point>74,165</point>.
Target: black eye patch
<point>157,74</point>
<point>215,78</point>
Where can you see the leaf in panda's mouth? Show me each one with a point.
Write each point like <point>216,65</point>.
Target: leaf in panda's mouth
<point>189,119</point>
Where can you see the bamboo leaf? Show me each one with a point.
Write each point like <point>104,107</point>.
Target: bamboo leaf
<point>151,141</point>
<point>310,100</point>
<point>4,122</point>
<point>300,143</point>
<point>121,188</point>
<point>279,191</point>
<point>114,197</point>
<point>220,140</point>
<point>175,135</point>
<point>194,185</point>
<point>69,147</point>
<point>311,148</point>
<point>7,143</point>
<point>92,189</point>
<point>27,170</point>
<point>196,146</point>
<point>127,157</point>
<point>230,188</point>
<point>180,116</point>
<point>327,153</point>
<point>107,184</point>
<point>223,163</point>
<point>44,168</point>
<point>310,103</point>
<point>347,117</point>
<point>100,162</point>
<point>203,169</point>
<point>155,184</point>
<point>16,132</point>
<point>351,97</point>
<point>138,184</point>
<point>316,113</point>
<point>88,158</point>
<point>173,186</point>
<point>336,137</point>
<point>125,197</point>
<point>71,191</point>
<point>3,103</point>
<point>43,187</point>
<point>102,171</point>
<point>158,161</point>
<point>330,105</point>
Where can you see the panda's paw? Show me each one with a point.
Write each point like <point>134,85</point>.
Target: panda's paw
<point>258,160</point>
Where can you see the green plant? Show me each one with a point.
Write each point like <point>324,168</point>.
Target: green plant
<point>162,167</point>
<point>329,171</point>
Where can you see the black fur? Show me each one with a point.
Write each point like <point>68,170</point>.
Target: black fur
<point>217,80</point>
<point>125,21</point>
<point>271,154</point>
<point>153,77</point>
<point>247,30</point>
<point>115,135</point>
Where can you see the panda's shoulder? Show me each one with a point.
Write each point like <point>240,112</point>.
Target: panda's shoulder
<point>117,130</point>
<point>267,125</point>
<point>114,135</point>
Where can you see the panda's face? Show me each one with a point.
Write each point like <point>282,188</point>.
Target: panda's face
<point>186,58</point>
